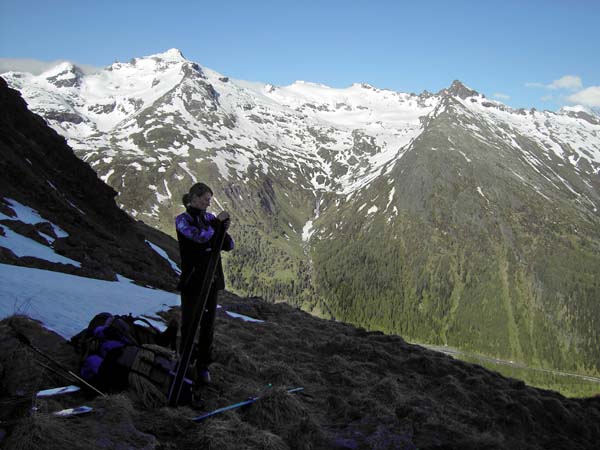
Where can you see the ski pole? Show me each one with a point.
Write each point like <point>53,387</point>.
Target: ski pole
<point>194,327</point>
<point>21,337</point>
<point>251,400</point>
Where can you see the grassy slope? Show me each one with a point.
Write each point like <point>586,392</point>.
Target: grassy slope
<point>362,390</point>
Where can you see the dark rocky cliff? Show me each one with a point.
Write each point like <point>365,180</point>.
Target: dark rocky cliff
<point>41,171</point>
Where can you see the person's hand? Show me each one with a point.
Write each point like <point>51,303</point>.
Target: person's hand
<point>224,218</point>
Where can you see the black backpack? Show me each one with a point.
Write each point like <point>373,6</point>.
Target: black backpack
<point>120,352</point>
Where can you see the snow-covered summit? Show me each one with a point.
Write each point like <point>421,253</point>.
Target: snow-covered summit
<point>173,54</point>
<point>64,67</point>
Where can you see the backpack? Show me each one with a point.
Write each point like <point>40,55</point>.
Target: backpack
<point>119,352</point>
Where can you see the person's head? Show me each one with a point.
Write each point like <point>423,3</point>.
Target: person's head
<point>198,197</point>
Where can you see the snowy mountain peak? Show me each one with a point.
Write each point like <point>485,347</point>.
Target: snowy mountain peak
<point>173,54</point>
<point>62,67</point>
<point>157,63</point>
<point>458,89</point>
<point>63,75</point>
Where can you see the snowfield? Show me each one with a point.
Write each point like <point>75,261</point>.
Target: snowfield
<point>66,303</point>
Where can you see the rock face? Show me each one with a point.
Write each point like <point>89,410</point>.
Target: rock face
<point>42,174</point>
<point>448,218</point>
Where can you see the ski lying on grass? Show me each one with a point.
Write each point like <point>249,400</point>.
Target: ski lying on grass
<point>69,412</point>
<point>22,397</point>
<point>61,368</point>
<point>57,391</point>
<point>237,405</point>
<point>73,411</point>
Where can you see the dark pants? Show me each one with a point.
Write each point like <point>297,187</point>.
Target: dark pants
<point>202,352</point>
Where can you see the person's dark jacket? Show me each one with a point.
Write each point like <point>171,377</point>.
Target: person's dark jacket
<point>195,232</point>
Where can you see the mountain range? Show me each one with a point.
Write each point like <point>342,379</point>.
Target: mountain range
<point>448,218</point>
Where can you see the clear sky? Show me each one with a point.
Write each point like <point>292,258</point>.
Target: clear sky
<point>542,54</point>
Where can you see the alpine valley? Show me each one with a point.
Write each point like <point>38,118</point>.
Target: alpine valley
<point>447,218</point>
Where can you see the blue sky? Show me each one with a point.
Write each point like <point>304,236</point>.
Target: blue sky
<point>542,54</point>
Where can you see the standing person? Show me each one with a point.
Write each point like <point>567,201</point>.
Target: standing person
<point>195,231</point>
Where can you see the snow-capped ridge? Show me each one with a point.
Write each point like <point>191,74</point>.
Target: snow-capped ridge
<point>575,108</point>
<point>309,84</point>
<point>157,63</point>
<point>165,103</point>
<point>580,111</point>
<point>364,86</point>
<point>63,75</point>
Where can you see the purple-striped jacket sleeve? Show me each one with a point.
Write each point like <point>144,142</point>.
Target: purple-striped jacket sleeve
<point>190,231</point>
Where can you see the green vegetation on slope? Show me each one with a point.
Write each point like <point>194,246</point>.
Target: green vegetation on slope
<point>469,291</point>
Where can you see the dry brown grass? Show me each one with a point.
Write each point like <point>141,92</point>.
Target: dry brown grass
<point>362,391</point>
<point>108,426</point>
